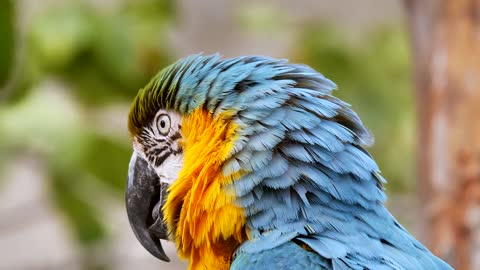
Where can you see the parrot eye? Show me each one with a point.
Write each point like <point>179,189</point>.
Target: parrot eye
<point>163,124</point>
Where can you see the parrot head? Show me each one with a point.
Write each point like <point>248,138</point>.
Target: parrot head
<point>232,150</point>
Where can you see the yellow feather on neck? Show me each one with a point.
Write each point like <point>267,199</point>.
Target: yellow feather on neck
<point>200,213</point>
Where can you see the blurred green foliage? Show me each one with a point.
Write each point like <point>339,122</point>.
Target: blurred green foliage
<point>373,75</point>
<point>80,61</point>
<point>103,55</point>
<point>262,17</point>
<point>7,27</point>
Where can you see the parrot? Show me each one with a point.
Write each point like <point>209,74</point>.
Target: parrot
<point>252,163</point>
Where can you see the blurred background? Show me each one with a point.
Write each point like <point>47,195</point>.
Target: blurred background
<point>69,70</point>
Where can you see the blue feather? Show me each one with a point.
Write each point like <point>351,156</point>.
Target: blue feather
<point>266,140</point>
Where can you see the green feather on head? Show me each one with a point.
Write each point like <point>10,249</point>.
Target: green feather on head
<point>158,93</point>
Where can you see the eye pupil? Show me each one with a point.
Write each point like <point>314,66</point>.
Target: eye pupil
<point>163,124</point>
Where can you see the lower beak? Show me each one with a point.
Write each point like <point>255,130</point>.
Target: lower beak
<point>144,199</point>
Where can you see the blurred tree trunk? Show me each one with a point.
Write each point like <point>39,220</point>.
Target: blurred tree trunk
<point>446,49</point>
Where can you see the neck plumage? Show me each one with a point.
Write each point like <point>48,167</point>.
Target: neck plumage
<point>200,213</point>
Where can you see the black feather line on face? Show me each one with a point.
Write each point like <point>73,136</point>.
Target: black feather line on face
<point>160,140</point>
<point>160,159</point>
<point>157,150</point>
<point>176,136</point>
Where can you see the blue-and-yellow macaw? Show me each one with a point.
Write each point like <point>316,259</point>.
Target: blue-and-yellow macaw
<point>251,163</point>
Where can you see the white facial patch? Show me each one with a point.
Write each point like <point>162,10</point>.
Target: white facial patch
<point>169,169</point>
<point>160,144</point>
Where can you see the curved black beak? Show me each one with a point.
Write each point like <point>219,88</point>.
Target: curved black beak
<point>144,199</point>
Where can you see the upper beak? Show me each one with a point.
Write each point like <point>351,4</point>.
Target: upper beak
<point>144,199</point>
